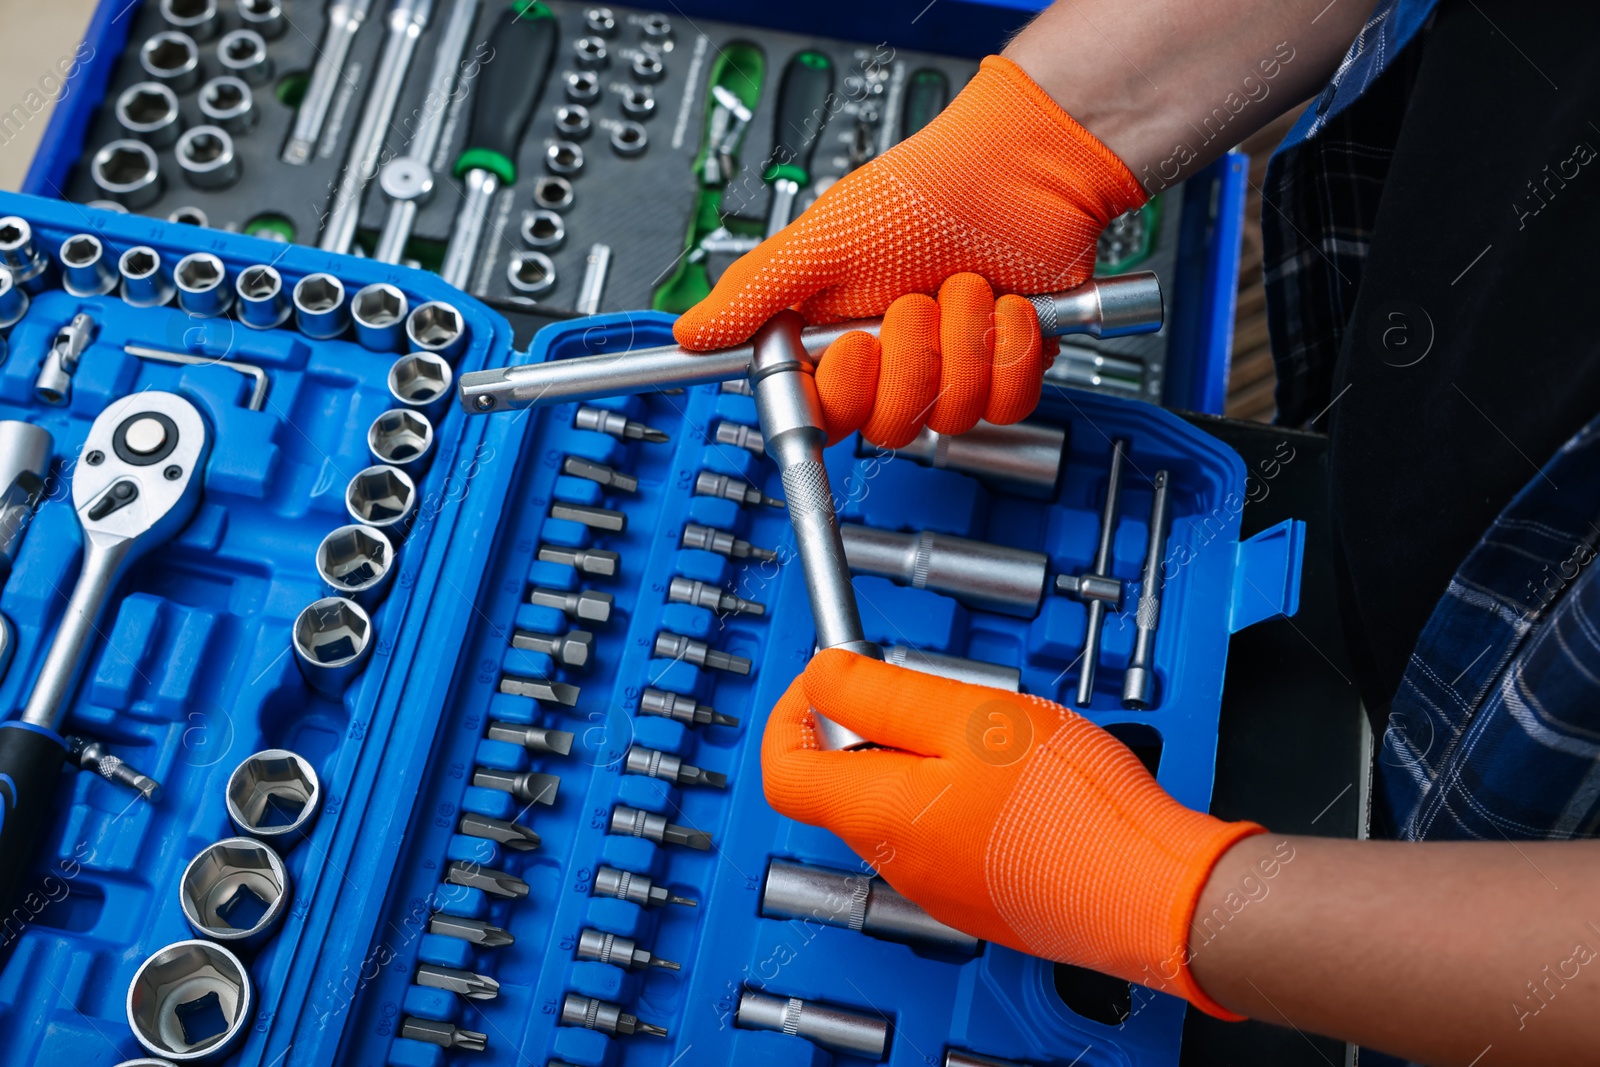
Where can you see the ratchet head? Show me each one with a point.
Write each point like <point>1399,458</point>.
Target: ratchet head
<point>138,476</point>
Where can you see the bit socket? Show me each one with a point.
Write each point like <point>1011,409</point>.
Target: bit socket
<point>854,901</point>
<point>619,426</point>
<point>502,831</point>
<point>686,710</point>
<point>676,646</point>
<point>608,1018</point>
<point>530,787</point>
<point>476,931</point>
<point>653,763</point>
<point>635,888</point>
<point>594,518</point>
<point>573,649</point>
<point>834,1029</point>
<point>738,387</point>
<point>532,738</point>
<point>632,822</point>
<point>725,488</point>
<point>495,883</point>
<point>723,544</point>
<point>470,985</point>
<point>539,689</point>
<point>600,562</point>
<point>740,436</point>
<point>585,605</point>
<point>704,595</point>
<point>445,1035</point>
<point>599,473</point>
<point>623,952</point>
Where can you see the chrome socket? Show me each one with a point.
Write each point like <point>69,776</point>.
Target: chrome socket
<point>206,157</point>
<point>590,53</point>
<point>263,305</point>
<point>572,122</point>
<point>834,1029</point>
<point>243,54</point>
<point>656,28</point>
<point>235,892</point>
<point>145,283</point>
<point>437,327</point>
<point>564,158</point>
<point>854,901</point>
<point>421,382</point>
<point>274,796</point>
<point>381,496</point>
<point>600,20</point>
<point>638,101</point>
<point>228,102</point>
<point>203,288</point>
<point>171,58</point>
<point>629,139</point>
<point>332,639</point>
<point>175,981</point>
<point>379,314</point>
<point>583,86</point>
<point>263,16</point>
<point>320,311</point>
<point>189,215</point>
<point>127,172</point>
<point>531,273</point>
<point>84,270</point>
<point>106,205</point>
<point>21,255</point>
<point>648,67</point>
<point>13,302</point>
<point>197,18</point>
<point>403,438</point>
<point>543,230</point>
<point>552,194</point>
<point>356,562</point>
<point>149,112</point>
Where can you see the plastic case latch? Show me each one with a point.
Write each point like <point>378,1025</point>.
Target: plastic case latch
<point>1266,575</point>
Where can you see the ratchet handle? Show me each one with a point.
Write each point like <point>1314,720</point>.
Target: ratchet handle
<point>507,90</point>
<point>31,758</point>
<point>802,112</point>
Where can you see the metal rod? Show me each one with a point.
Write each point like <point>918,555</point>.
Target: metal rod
<point>344,21</point>
<point>594,280</point>
<point>462,251</point>
<point>1102,567</point>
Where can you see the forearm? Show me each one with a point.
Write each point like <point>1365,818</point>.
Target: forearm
<point>1170,87</point>
<point>1436,951</point>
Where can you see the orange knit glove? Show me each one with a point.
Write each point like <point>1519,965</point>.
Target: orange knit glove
<point>1008,817</point>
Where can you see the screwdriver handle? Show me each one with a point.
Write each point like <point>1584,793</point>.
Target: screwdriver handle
<point>802,112</point>
<point>31,758</point>
<point>523,44</point>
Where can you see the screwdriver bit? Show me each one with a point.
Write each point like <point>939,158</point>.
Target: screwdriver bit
<point>686,710</point>
<point>445,1035</point>
<point>623,951</point>
<point>725,488</point>
<point>539,689</point>
<point>597,561</point>
<point>474,930</point>
<point>705,595</point>
<point>495,883</point>
<point>532,738</point>
<point>595,518</point>
<point>470,985</point>
<point>609,477</point>
<point>571,649</point>
<point>635,888</point>
<point>530,787</point>
<point>606,1017</point>
<point>738,386</point>
<point>619,426</point>
<point>653,763</point>
<point>631,822</point>
<point>676,646</point>
<point>585,605</point>
<point>723,544</point>
<point>92,756</point>
<point>502,831</point>
<point>745,437</point>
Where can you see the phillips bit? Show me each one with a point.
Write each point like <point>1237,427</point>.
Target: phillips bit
<point>635,888</point>
<point>723,544</point>
<point>726,488</point>
<point>530,787</point>
<point>622,951</point>
<point>738,386</point>
<point>746,437</point>
<point>676,646</point>
<point>632,822</point>
<point>539,689</point>
<point>585,605</point>
<point>495,883</point>
<point>594,518</point>
<point>609,477</point>
<point>445,1035</point>
<point>653,763</point>
<point>532,738</point>
<point>705,595</point>
<point>92,756</point>
<point>619,426</point>
<point>597,561</point>
<point>606,1017</point>
<point>572,649</point>
<point>474,930</point>
<point>502,831</point>
<point>686,710</point>
<point>470,985</point>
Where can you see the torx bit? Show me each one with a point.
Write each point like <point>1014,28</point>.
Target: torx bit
<point>495,883</point>
<point>598,561</point>
<point>705,595</point>
<point>532,738</point>
<point>501,831</point>
<point>585,605</point>
<point>474,930</point>
<point>573,649</point>
<point>632,822</point>
<point>609,477</point>
<point>539,689</point>
<point>530,787</point>
<point>445,1035</point>
<point>608,1018</point>
<point>594,518</point>
<point>745,437</point>
<point>725,488</point>
<point>738,386</point>
<point>470,985</point>
<point>619,426</point>
<point>723,544</point>
<point>654,763</point>
<point>624,952</point>
<point>676,646</point>
<point>686,710</point>
<point>635,888</point>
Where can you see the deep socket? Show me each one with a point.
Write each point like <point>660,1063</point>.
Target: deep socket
<point>379,314</point>
<point>320,311</point>
<point>84,270</point>
<point>989,577</point>
<point>203,289</point>
<point>854,901</point>
<point>1025,456</point>
<point>956,668</point>
<point>834,1029</point>
<point>149,112</point>
<point>263,305</point>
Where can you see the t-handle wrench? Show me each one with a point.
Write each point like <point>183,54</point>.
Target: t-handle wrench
<point>136,484</point>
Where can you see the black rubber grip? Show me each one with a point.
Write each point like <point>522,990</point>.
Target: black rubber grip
<point>31,759</point>
<point>523,45</point>
<point>803,106</point>
<point>927,92</point>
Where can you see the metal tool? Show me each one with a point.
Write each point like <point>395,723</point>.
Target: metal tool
<point>25,451</point>
<point>653,763</point>
<point>379,314</point>
<point>956,668</point>
<point>469,984</point>
<point>127,172</point>
<point>600,20</point>
<point>802,112</point>
<point>495,883</point>
<point>636,888</point>
<point>594,518</point>
<point>854,902</point>
<point>21,255</point>
<point>203,290</point>
<point>552,192</point>
<point>590,53</point>
<point>445,1035</point>
<point>599,473</point>
<point>543,229</point>
<point>437,327</point>
<point>989,577</point>
<point>1073,373</point>
<point>583,605</point>
<point>513,835</point>
<point>638,102</point>
<point>530,787</point>
<point>704,595</point>
<point>263,16</point>
<point>669,645</point>
<point>740,436</point>
<point>957,1058</point>
<point>195,17</point>
<point>344,20</point>
<point>633,822</point>
<point>235,892</point>
<point>262,303</point>
<point>1138,682</point>
<point>834,1029</point>
<point>421,380</point>
<point>722,543</point>
<point>228,102</point>
<point>647,67</point>
<point>592,288</point>
<point>616,425</point>
<point>149,111</point>
<point>206,157</point>
<point>574,649</point>
<point>332,639</point>
<point>382,496</point>
<point>54,383</point>
<point>475,931</point>
<point>624,952</point>
<point>629,139</point>
<point>243,55</point>
<point>708,483</point>
<point>172,58</point>
<point>145,282</point>
<point>356,562</point>
<point>529,272</point>
<point>402,438</point>
<point>564,158</point>
<point>189,215</point>
<point>573,123</point>
<point>180,975</point>
<point>1097,587</point>
<point>539,689</point>
<point>1025,456</point>
<point>320,311</point>
<point>274,795</point>
<point>506,94</point>
<point>404,25</point>
<point>536,739</point>
<point>601,562</point>
<point>260,384</point>
<point>679,708</point>
<point>608,1018</point>
<point>14,301</point>
<point>93,756</point>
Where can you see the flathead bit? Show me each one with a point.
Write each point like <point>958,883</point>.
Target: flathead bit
<point>621,951</point>
<point>725,488</point>
<point>746,437</point>
<point>635,888</point>
<point>686,710</point>
<point>513,835</point>
<point>92,756</point>
<point>532,738</point>
<point>468,984</point>
<point>632,822</point>
<point>739,386</point>
<point>723,544</point>
<point>530,787</point>
<point>654,763</point>
<point>474,930</point>
<point>609,477</point>
<point>572,649</point>
<point>706,595</point>
<point>676,646</point>
<point>495,883</point>
<point>586,605</point>
<point>597,561</point>
<point>619,426</point>
<point>539,689</point>
<point>594,518</point>
<point>445,1035</point>
<point>608,1018</point>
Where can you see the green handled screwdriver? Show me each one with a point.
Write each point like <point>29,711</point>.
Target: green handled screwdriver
<point>523,44</point>
<point>803,98</point>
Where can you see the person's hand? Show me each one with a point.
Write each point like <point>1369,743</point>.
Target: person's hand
<point>1006,816</point>
<point>1002,184</point>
